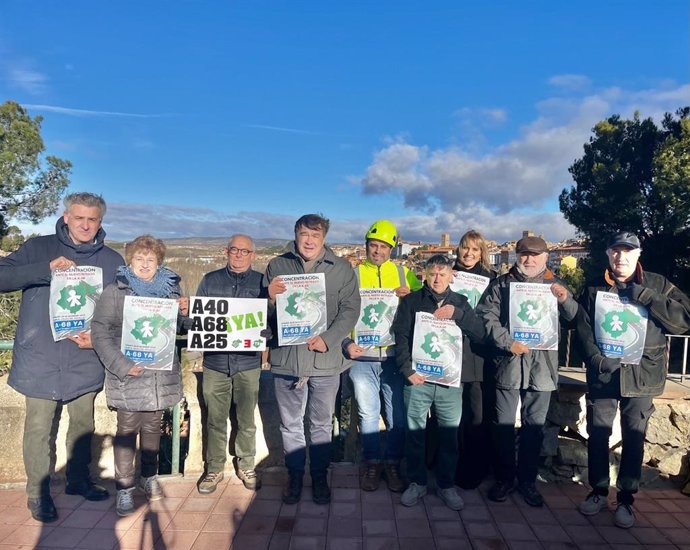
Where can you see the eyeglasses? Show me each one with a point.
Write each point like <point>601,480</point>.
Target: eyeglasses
<point>240,251</point>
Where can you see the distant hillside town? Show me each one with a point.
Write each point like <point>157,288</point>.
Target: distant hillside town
<point>501,256</point>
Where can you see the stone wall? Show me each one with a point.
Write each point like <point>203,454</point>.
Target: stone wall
<point>667,443</point>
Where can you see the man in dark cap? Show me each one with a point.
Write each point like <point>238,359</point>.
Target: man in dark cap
<point>621,324</point>
<point>523,372</point>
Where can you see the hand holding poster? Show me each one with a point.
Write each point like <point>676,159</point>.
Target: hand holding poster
<point>149,326</point>
<point>301,309</point>
<point>471,286</point>
<point>534,315</point>
<point>73,296</point>
<point>376,315</point>
<point>437,350</point>
<point>227,324</point>
<point>620,327</point>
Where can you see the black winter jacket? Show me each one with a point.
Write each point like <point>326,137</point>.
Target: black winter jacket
<point>41,367</point>
<point>668,311</point>
<point>224,283</point>
<point>423,300</point>
<point>536,370</point>
<point>476,360</point>
<point>152,390</point>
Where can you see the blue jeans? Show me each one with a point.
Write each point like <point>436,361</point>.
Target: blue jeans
<point>380,383</point>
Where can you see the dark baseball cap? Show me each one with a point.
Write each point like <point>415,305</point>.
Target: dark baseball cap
<point>624,238</point>
<point>536,245</point>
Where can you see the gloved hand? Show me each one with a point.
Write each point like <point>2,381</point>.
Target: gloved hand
<point>606,364</point>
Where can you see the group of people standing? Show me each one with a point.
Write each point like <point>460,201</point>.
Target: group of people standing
<point>473,425</point>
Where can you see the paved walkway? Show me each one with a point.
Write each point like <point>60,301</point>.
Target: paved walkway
<point>235,518</point>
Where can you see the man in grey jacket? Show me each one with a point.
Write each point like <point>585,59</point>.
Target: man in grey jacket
<point>307,376</point>
<point>50,373</point>
<point>521,373</point>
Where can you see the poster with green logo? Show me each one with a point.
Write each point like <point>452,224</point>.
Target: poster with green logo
<point>620,327</point>
<point>149,326</point>
<point>376,315</point>
<point>469,285</point>
<point>73,296</point>
<point>437,350</point>
<point>301,309</point>
<point>534,315</point>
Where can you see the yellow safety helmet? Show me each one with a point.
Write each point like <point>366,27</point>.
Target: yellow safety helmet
<point>383,230</point>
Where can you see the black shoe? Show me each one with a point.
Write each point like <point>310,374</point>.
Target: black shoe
<point>468,483</point>
<point>42,509</point>
<point>500,491</point>
<point>530,494</point>
<point>320,492</point>
<point>292,493</point>
<point>87,489</point>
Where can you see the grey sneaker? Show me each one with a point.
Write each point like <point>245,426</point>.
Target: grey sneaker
<point>249,479</point>
<point>124,505</point>
<point>451,497</point>
<point>593,504</point>
<point>624,517</point>
<point>151,488</point>
<point>412,494</point>
<point>210,482</point>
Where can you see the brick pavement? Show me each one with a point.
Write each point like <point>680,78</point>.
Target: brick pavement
<point>235,518</point>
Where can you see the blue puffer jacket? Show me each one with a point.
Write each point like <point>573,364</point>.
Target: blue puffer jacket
<point>41,367</point>
<point>224,283</point>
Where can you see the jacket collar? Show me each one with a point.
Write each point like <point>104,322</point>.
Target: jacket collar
<point>62,234</point>
<point>638,275</point>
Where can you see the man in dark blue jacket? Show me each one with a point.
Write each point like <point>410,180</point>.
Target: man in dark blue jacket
<point>52,373</point>
<point>232,377</point>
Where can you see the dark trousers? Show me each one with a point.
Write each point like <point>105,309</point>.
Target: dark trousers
<point>535,405</point>
<point>38,424</point>
<point>220,392</point>
<point>474,435</point>
<point>314,400</point>
<point>447,407</point>
<point>147,425</point>
<point>601,412</point>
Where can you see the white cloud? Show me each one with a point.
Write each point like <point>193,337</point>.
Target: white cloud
<point>282,129</point>
<point>88,113</point>
<point>27,80</point>
<point>572,82</point>
<point>524,174</point>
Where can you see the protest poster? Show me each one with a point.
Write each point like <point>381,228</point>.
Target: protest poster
<point>73,296</point>
<point>620,327</point>
<point>149,326</point>
<point>226,324</point>
<point>437,350</point>
<point>376,315</point>
<point>534,315</point>
<point>301,309</point>
<point>471,286</point>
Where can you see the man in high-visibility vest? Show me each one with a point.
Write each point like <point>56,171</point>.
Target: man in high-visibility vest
<point>374,373</point>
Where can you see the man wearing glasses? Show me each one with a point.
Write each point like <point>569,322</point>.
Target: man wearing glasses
<point>231,377</point>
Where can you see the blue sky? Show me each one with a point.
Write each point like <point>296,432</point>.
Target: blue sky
<point>207,118</point>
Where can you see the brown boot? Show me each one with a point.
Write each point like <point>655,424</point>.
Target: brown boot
<point>393,479</point>
<point>371,477</point>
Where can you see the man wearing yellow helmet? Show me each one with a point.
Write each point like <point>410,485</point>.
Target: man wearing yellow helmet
<point>374,373</point>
